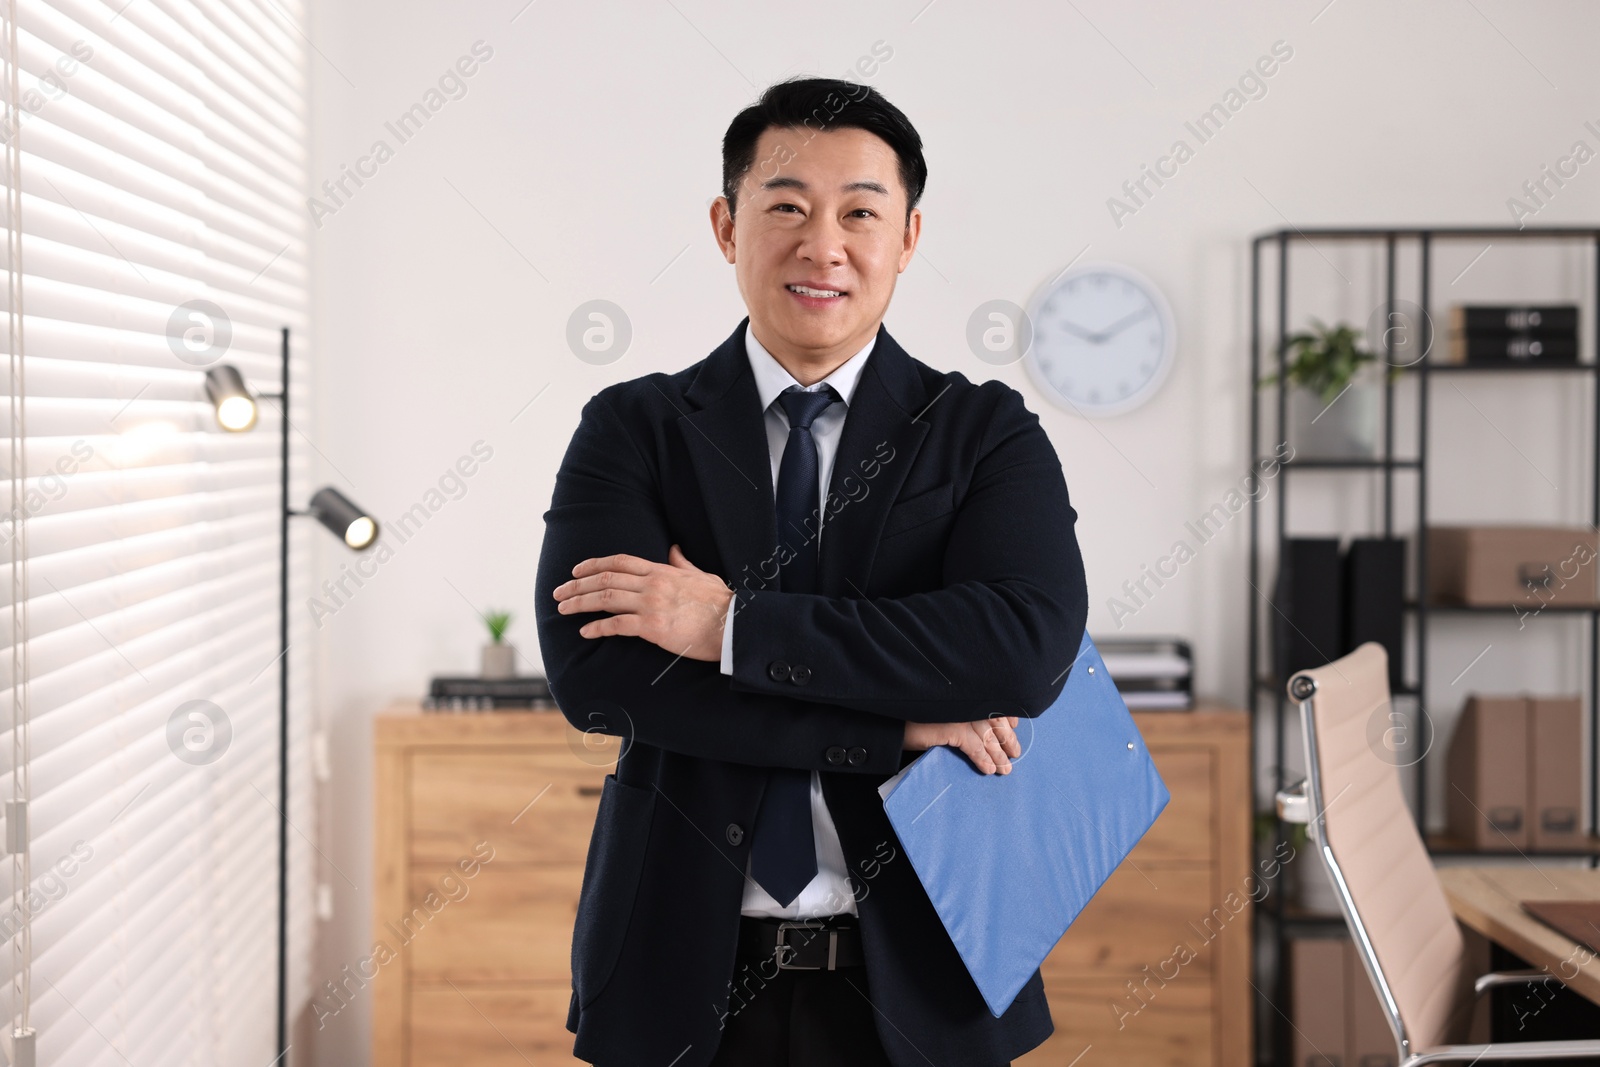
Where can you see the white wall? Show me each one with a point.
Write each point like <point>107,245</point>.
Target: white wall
<point>579,165</point>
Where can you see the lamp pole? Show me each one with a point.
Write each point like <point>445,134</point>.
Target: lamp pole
<point>283,705</point>
<point>284,514</point>
<point>358,530</point>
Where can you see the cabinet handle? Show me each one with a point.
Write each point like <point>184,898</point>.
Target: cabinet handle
<point>590,790</point>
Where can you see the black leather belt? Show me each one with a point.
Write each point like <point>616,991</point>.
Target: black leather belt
<point>826,943</point>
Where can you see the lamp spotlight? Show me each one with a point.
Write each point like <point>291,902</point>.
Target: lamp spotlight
<point>225,388</point>
<point>335,511</point>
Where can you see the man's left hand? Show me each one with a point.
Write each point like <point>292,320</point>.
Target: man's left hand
<point>675,605</point>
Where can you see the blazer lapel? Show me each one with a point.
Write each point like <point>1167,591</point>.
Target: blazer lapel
<point>727,443</point>
<point>882,433</point>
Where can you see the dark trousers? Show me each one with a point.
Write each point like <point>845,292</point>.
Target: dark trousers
<point>803,1019</point>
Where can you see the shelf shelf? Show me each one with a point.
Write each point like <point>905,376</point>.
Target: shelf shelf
<point>1505,609</point>
<point>1402,508</point>
<point>1441,844</point>
<point>1296,917</point>
<point>1347,464</point>
<point>1504,368</point>
<point>1369,233</point>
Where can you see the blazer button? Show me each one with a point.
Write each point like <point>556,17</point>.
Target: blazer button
<point>858,756</point>
<point>734,833</point>
<point>778,670</point>
<point>835,754</point>
<point>799,674</point>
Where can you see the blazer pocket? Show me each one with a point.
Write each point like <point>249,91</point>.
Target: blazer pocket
<point>610,883</point>
<point>918,510</point>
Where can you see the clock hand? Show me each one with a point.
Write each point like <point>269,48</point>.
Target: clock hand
<point>1121,324</point>
<point>1079,331</point>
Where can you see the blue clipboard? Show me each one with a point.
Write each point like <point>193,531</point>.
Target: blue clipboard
<point>1009,861</point>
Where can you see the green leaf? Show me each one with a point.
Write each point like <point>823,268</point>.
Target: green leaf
<point>498,622</point>
<point>1324,359</point>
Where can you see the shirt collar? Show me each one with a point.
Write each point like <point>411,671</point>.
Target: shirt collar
<point>772,378</point>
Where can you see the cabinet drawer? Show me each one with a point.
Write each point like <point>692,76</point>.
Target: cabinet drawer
<point>459,798</point>
<point>513,925</point>
<point>490,1026</point>
<point>1185,830</point>
<point>1173,1027</point>
<point>1131,924</point>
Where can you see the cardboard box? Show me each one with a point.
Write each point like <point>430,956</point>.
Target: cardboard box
<point>1527,567</point>
<point>1487,774</point>
<point>1555,772</point>
<point>1506,748</point>
<point>1317,988</point>
<point>1338,1019</point>
<point>1368,1040</point>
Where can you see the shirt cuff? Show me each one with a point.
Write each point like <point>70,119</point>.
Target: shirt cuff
<point>727,640</point>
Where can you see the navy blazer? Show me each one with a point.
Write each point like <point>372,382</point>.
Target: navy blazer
<point>950,587</point>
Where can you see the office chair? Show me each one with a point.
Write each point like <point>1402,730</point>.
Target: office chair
<point>1401,923</point>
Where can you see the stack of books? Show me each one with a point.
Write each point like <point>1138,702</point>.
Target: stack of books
<point>469,693</point>
<point>1509,335</point>
<point>1151,672</point>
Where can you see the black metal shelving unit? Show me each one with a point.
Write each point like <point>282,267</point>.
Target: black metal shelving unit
<point>1277,921</point>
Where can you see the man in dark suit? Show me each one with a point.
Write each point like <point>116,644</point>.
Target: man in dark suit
<point>778,574</point>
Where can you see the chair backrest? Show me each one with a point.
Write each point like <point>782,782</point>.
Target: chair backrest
<point>1413,947</point>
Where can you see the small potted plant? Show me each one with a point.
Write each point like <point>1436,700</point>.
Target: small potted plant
<point>499,658</point>
<point>1333,405</point>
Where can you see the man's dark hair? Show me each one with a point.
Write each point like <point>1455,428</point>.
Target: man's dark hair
<point>820,105</point>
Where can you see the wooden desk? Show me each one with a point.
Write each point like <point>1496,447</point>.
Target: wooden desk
<point>1488,900</point>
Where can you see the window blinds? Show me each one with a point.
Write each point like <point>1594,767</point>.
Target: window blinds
<point>162,153</point>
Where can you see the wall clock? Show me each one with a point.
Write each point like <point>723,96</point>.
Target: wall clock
<point>1103,339</point>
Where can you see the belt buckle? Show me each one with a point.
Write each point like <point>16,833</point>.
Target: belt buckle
<point>803,924</point>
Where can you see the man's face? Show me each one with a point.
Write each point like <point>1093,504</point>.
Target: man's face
<point>827,214</point>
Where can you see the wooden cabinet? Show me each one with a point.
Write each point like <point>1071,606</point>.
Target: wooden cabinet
<point>480,972</point>
<point>1156,970</point>
<point>483,823</point>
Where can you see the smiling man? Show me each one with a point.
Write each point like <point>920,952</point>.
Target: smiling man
<point>779,574</point>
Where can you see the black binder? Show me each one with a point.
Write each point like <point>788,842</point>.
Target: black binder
<point>1374,599</point>
<point>1308,621</point>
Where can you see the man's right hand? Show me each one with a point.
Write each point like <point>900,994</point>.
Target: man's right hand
<point>989,743</point>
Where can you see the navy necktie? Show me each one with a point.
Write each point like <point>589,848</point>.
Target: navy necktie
<point>783,853</point>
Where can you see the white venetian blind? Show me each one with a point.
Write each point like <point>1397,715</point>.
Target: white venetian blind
<point>163,161</point>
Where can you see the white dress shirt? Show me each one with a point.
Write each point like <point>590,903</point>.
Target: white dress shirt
<point>828,892</point>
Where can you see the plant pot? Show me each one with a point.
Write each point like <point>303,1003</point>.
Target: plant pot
<point>499,661</point>
<point>1346,429</point>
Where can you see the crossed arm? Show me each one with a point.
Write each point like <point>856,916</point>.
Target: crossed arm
<point>638,640</point>
<point>679,606</point>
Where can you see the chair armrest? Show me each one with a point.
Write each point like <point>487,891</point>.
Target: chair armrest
<point>1489,981</point>
<point>1293,805</point>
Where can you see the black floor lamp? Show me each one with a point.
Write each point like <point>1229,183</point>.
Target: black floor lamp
<point>236,409</point>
